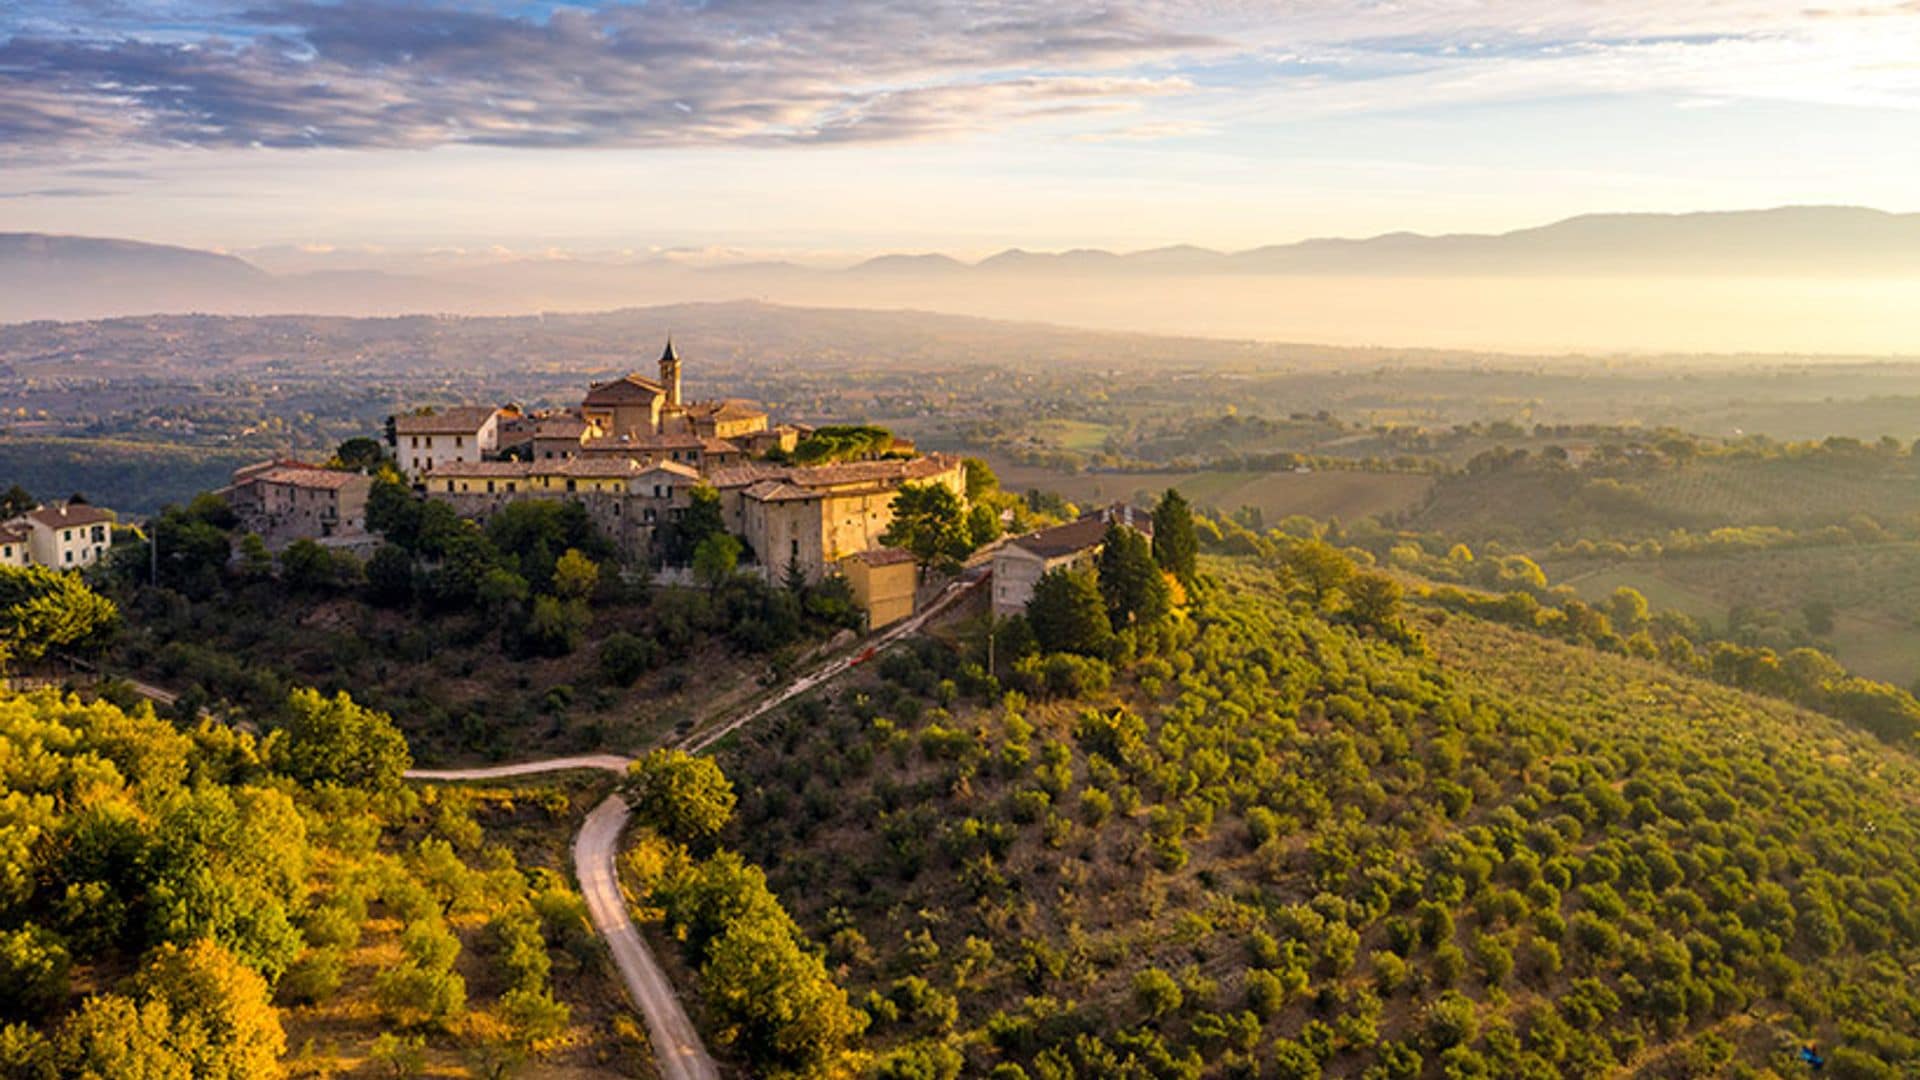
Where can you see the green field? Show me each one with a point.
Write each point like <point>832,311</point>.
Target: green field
<point>1348,496</point>
<point>1875,632</point>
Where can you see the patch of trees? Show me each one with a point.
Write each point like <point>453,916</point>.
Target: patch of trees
<point>842,442</point>
<point>46,611</point>
<point>772,999</point>
<point>230,878</point>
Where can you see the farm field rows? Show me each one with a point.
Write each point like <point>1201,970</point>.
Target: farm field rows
<point>1344,495</point>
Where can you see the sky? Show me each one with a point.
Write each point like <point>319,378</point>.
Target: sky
<point>816,128</point>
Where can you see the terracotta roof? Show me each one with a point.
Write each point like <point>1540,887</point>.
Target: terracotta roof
<point>13,534</point>
<point>677,468</point>
<point>626,390</point>
<point>883,556</point>
<point>594,466</point>
<point>482,469</point>
<point>746,473</point>
<point>718,446</point>
<point>614,444</point>
<point>854,472</point>
<point>327,479</point>
<point>729,409</point>
<point>778,491</point>
<point>67,515</point>
<point>1068,539</point>
<point>458,420</point>
<point>560,427</point>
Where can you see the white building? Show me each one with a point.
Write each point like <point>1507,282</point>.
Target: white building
<point>63,537</point>
<point>464,433</point>
<point>1020,563</point>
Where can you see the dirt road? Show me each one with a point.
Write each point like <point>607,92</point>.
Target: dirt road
<point>676,1045</point>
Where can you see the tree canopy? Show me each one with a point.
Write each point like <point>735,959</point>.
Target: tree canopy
<point>1069,614</point>
<point>1175,545</point>
<point>684,798</point>
<point>930,521</point>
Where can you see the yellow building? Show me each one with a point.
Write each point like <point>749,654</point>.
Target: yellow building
<point>883,582</point>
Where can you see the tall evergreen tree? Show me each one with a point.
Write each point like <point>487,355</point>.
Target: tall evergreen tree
<point>1068,614</point>
<point>1174,542</point>
<point>1130,581</point>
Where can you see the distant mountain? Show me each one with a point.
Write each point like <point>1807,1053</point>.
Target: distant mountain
<point>909,264</point>
<point>1814,240</point>
<point>66,277</point>
<point>45,276</point>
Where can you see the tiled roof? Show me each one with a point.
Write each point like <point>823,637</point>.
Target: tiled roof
<point>458,420</point>
<point>614,444</point>
<point>1075,536</point>
<point>677,468</point>
<point>560,427</point>
<point>718,446</point>
<point>13,534</point>
<point>67,515</point>
<point>746,473</point>
<point>593,466</point>
<point>854,472</point>
<point>327,479</point>
<point>730,409</point>
<point>778,491</point>
<point>626,390</point>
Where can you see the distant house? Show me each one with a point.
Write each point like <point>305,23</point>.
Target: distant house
<point>464,433</point>
<point>66,536</point>
<point>1020,563</point>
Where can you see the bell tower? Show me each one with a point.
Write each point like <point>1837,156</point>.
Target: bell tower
<point>670,372</point>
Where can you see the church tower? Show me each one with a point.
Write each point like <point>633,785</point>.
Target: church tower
<point>670,373</point>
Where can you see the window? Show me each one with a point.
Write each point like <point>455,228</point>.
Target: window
<point>571,486</point>
<point>69,555</point>
<point>647,515</point>
<point>416,442</point>
<point>796,549</point>
<point>489,487</point>
<point>458,442</point>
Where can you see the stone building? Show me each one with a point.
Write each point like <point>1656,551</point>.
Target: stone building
<point>288,501</point>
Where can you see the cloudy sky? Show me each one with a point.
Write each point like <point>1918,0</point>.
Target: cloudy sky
<point>960,125</point>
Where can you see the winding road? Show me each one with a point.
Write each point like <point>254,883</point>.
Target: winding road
<point>676,1042</point>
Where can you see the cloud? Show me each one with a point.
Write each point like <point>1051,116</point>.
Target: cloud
<point>57,193</point>
<point>387,73</point>
<point>412,73</point>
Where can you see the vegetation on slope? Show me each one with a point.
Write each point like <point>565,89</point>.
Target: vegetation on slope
<point>1284,840</point>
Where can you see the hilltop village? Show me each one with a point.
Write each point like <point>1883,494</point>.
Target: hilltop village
<point>636,453</point>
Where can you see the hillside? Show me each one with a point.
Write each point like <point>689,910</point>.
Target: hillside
<point>1280,844</point>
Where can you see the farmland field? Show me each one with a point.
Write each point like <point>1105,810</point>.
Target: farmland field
<point>1876,588</point>
<point>1344,495</point>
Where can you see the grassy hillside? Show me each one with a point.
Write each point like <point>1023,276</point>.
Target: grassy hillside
<point>1279,844</point>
